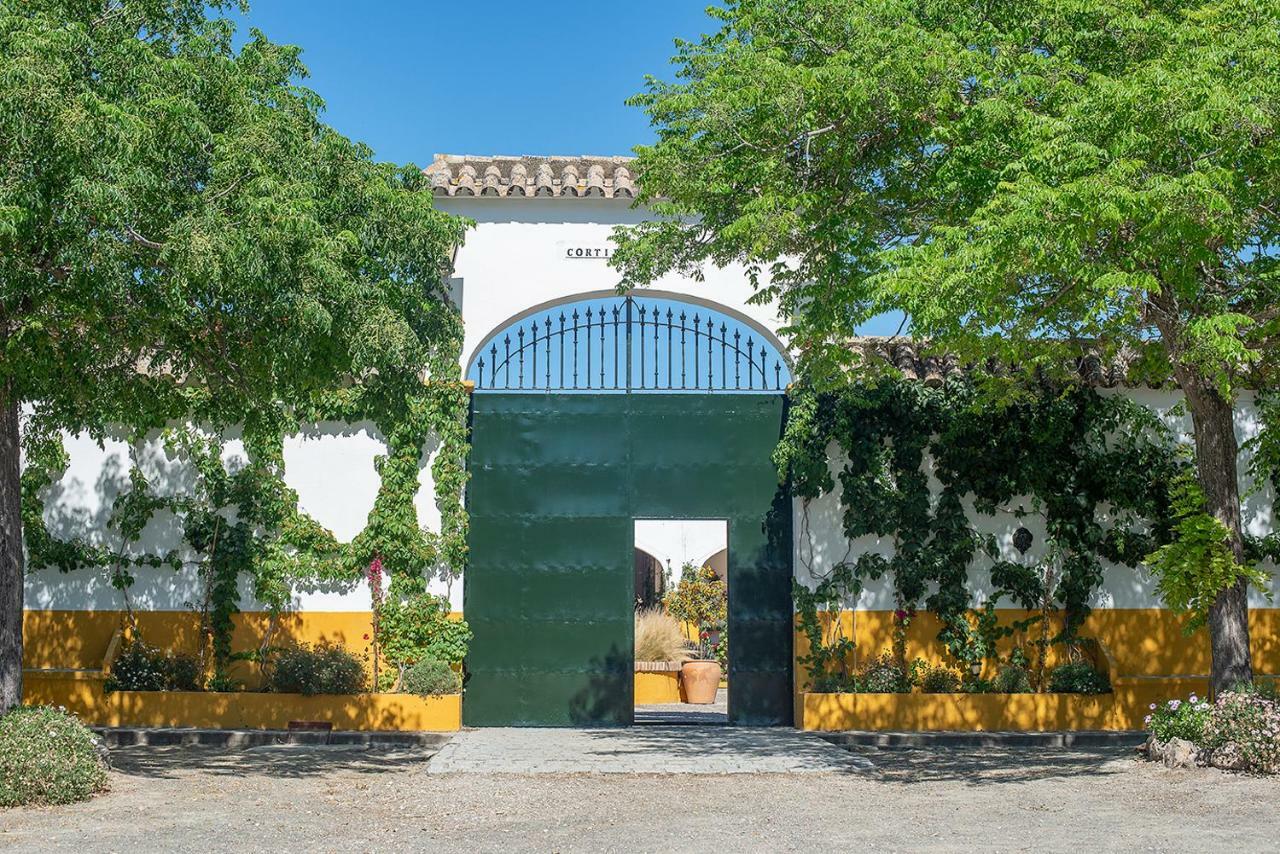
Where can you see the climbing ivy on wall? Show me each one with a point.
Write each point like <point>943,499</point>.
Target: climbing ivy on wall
<point>245,523</point>
<point>1097,469</point>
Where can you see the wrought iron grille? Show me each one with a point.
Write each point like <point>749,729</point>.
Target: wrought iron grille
<point>629,345</point>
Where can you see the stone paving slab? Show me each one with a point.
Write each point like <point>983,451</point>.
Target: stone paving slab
<point>642,750</point>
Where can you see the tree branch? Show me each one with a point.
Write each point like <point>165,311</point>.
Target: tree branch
<point>142,241</point>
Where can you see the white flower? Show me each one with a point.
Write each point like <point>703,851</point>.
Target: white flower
<point>1153,707</point>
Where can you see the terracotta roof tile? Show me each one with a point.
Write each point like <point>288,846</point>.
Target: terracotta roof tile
<point>456,175</point>
<point>903,354</point>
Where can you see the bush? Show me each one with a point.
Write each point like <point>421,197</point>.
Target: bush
<point>48,757</point>
<point>659,637</point>
<point>430,678</point>
<point>420,629</point>
<point>139,667</point>
<point>884,675</point>
<point>1078,677</point>
<point>1012,679</point>
<point>322,669</point>
<point>1183,719</point>
<point>940,680</point>
<point>1243,732</point>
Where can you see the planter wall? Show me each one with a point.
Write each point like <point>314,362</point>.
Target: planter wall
<point>657,688</point>
<point>657,682</point>
<point>83,694</point>
<point>969,712</point>
<point>1122,710</point>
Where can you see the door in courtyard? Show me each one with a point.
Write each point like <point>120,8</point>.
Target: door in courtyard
<point>558,477</point>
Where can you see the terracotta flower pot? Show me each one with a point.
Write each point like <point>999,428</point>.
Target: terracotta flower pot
<point>700,679</point>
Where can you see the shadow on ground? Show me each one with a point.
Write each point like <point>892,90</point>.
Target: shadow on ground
<point>986,765</point>
<point>283,761</point>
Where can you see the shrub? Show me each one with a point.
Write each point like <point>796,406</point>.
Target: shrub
<point>419,629</point>
<point>1012,679</point>
<point>140,667</point>
<point>322,669</point>
<point>430,678</point>
<point>1078,677</point>
<point>659,637</point>
<point>48,757</point>
<point>1243,732</point>
<point>883,675</point>
<point>940,680</point>
<point>1183,719</point>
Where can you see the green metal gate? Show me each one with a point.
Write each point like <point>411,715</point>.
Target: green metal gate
<point>557,480</point>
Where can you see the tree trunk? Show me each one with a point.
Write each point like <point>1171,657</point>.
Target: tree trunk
<point>1216,456</point>
<point>11,559</point>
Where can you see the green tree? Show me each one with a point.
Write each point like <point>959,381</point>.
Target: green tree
<point>180,236</point>
<point>1016,177</point>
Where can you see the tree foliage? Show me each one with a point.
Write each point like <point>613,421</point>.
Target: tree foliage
<point>1041,170</point>
<point>183,240</point>
<point>1017,178</point>
<point>178,228</point>
<point>1193,568</point>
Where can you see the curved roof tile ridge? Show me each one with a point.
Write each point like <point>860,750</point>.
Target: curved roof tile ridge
<point>527,176</point>
<point>908,358</point>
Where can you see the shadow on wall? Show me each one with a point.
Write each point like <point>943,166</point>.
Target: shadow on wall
<point>1140,642</point>
<point>607,700</point>
<point>79,639</point>
<point>330,464</point>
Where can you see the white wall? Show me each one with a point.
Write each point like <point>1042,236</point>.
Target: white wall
<point>820,541</point>
<point>330,465</point>
<point>514,260</point>
<point>677,542</point>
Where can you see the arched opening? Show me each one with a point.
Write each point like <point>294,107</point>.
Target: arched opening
<point>656,343</point>
<point>650,580</point>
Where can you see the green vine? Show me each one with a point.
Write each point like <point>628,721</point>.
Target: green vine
<point>246,523</point>
<point>1065,455</point>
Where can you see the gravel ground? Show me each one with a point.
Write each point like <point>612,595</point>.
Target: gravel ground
<point>317,799</point>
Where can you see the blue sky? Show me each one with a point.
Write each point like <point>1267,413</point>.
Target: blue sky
<point>415,78</point>
<point>411,79</point>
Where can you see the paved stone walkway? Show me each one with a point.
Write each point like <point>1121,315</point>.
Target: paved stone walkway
<point>642,750</point>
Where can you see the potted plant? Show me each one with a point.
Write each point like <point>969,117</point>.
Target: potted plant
<point>700,604</point>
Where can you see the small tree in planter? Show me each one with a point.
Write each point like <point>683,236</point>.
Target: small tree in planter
<point>700,601</point>
<point>417,628</point>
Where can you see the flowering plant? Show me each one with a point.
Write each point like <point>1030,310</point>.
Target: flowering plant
<point>1243,731</point>
<point>1179,719</point>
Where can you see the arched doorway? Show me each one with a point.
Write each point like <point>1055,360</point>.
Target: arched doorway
<point>565,457</point>
<point>649,580</point>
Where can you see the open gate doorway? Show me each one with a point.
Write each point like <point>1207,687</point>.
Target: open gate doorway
<point>559,475</point>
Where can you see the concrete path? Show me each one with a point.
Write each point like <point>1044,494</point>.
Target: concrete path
<point>642,750</point>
